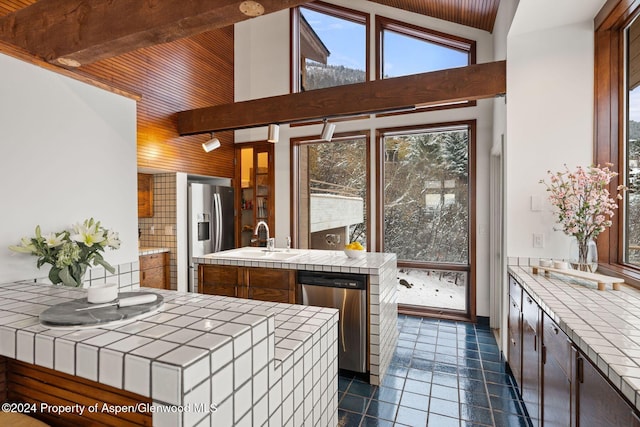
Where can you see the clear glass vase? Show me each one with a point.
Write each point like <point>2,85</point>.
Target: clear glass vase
<point>584,255</point>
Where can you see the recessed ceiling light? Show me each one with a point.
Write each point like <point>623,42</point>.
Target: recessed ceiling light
<point>251,8</point>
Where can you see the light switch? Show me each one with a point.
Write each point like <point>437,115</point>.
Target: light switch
<point>536,203</point>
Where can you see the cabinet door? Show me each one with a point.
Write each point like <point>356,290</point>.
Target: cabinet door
<point>531,358</point>
<point>515,341</point>
<point>599,404</point>
<point>266,284</point>
<point>218,280</point>
<point>154,270</point>
<point>557,380</point>
<point>145,195</point>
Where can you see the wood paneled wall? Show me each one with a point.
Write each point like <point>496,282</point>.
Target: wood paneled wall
<point>3,379</point>
<point>35,384</point>
<point>181,75</point>
<point>171,77</point>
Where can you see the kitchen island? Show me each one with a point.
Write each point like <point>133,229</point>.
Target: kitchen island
<point>382,287</point>
<point>200,360</point>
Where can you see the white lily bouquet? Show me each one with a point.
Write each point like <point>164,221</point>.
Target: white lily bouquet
<point>70,252</point>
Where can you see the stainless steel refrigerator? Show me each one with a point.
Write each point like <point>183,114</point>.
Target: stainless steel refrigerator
<point>211,219</point>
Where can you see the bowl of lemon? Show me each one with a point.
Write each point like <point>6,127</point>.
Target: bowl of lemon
<point>354,250</point>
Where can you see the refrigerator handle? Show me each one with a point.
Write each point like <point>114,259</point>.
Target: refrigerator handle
<point>218,222</point>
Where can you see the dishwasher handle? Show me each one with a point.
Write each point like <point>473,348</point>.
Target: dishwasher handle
<point>333,280</point>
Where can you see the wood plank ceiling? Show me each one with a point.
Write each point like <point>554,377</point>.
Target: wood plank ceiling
<point>479,14</point>
<point>197,72</point>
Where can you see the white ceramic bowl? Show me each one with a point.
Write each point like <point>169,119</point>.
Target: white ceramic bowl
<point>107,292</point>
<point>560,265</point>
<point>354,253</point>
<point>546,263</point>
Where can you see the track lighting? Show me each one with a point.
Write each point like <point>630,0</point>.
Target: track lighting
<point>211,144</point>
<point>274,133</point>
<point>327,130</point>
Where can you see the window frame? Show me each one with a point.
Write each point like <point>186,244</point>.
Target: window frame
<point>471,268</point>
<point>340,12</point>
<point>428,35</point>
<point>610,124</point>
<point>294,158</point>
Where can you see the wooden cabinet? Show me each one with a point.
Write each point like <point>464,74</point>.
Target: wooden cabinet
<point>256,201</point>
<point>558,357</point>
<point>145,195</point>
<point>531,358</point>
<point>155,270</point>
<point>264,284</point>
<point>559,385</point>
<point>219,280</point>
<point>599,404</point>
<point>514,355</point>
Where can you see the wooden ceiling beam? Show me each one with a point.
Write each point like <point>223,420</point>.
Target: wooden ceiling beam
<point>469,83</point>
<point>72,33</point>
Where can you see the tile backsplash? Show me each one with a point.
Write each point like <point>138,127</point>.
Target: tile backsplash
<point>127,276</point>
<point>164,220</point>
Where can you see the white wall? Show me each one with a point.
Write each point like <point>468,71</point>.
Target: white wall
<point>262,69</point>
<point>67,153</point>
<point>550,123</point>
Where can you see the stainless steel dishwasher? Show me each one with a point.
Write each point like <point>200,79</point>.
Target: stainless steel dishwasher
<point>348,293</point>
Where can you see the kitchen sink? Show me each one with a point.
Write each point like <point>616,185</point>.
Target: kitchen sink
<point>257,254</point>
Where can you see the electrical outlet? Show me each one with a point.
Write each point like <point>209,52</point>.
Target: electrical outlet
<point>152,229</point>
<point>538,240</point>
<point>168,230</point>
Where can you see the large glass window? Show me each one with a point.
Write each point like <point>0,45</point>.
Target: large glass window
<point>405,49</point>
<point>427,214</point>
<point>331,48</point>
<point>632,150</point>
<point>332,196</point>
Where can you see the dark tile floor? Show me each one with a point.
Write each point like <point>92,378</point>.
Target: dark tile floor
<point>443,373</point>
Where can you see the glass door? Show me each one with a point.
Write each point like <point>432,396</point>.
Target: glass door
<point>256,198</point>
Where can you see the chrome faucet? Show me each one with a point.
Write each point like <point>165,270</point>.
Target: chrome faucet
<point>270,240</point>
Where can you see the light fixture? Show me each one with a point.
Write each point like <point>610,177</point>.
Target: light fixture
<point>211,144</point>
<point>327,131</point>
<point>274,133</point>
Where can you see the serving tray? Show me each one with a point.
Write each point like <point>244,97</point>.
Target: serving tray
<point>66,315</point>
<point>600,279</point>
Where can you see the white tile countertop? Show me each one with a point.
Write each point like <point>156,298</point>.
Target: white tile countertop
<point>302,259</point>
<point>604,325</point>
<point>254,360</point>
<point>382,291</point>
<point>151,251</point>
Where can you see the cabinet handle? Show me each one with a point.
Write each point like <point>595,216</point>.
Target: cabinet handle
<point>535,343</point>
<point>555,330</point>
<point>580,370</point>
<point>144,275</point>
<point>529,300</point>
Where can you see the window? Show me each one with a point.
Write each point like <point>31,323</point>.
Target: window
<point>426,213</point>
<point>617,133</point>
<point>331,200</point>
<point>330,47</point>
<point>430,50</point>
